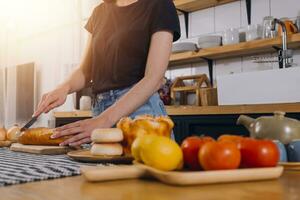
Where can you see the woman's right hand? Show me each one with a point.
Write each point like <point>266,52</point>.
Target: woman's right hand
<point>52,100</point>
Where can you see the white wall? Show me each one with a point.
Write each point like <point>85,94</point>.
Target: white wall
<point>217,19</point>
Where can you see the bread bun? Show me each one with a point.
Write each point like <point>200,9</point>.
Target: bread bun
<point>2,134</point>
<point>13,133</point>
<point>110,135</point>
<point>115,149</point>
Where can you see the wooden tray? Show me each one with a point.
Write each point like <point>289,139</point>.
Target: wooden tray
<point>5,143</point>
<point>290,165</point>
<point>108,173</point>
<point>86,156</point>
<point>35,149</point>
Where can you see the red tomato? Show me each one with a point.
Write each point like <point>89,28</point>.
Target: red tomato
<point>219,155</point>
<point>233,138</point>
<point>259,153</point>
<point>190,147</point>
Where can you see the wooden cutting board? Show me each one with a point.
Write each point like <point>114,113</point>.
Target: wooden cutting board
<point>35,149</point>
<point>5,143</point>
<point>86,156</point>
<point>290,165</point>
<point>107,173</point>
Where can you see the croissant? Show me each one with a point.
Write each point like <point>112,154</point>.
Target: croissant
<point>39,136</point>
<point>143,125</point>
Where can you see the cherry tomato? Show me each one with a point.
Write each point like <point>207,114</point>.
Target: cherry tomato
<point>219,155</point>
<point>259,153</point>
<point>190,147</point>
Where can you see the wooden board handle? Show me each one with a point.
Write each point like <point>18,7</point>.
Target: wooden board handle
<point>108,173</point>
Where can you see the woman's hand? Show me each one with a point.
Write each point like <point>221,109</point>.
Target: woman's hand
<point>80,131</point>
<point>52,100</point>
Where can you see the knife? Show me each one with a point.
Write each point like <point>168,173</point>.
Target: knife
<point>29,124</point>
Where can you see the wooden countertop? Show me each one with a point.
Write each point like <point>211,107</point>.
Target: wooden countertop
<point>238,109</point>
<point>207,110</point>
<point>75,188</point>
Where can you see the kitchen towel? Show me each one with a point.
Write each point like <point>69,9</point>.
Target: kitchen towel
<point>16,167</point>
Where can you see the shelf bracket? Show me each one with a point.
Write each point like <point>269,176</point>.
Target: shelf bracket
<point>280,61</point>
<point>248,7</point>
<point>186,20</point>
<point>210,63</point>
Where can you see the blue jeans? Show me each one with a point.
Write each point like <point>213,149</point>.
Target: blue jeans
<point>154,106</point>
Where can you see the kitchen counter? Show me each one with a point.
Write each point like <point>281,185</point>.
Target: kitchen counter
<point>207,110</point>
<point>75,188</point>
<point>196,120</point>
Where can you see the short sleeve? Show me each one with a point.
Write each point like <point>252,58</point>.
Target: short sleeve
<point>91,23</point>
<point>165,18</point>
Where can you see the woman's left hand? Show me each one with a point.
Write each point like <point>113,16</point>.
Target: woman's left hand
<point>80,131</point>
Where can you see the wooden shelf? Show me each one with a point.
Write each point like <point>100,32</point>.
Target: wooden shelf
<point>236,109</point>
<point>234,50</point>
<point>193,5</point>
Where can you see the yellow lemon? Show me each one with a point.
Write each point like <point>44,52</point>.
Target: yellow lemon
<point>138,143</point>
<point>162,153</point>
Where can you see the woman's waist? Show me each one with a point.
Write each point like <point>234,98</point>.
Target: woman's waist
<point>112,93</point>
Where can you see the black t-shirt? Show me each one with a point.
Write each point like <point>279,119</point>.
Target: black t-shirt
<point>121,38</point>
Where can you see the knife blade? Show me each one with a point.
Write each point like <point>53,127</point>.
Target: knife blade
<point>30,123</point>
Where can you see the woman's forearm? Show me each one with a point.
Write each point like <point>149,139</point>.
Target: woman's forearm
<point>75,82</point>
<point>131,101</point>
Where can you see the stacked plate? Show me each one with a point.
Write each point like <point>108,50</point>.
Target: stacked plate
<point>209,41</point>
<point>184,46</point>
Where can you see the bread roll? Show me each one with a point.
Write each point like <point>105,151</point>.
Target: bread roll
<point>110,135</point>
<point>144,125</point>
<point>39,136</point>
<point>2,134</point>
<point>115,149</point>
<point>13,133</point>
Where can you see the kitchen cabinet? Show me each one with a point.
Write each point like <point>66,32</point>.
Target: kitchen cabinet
<point>213,125</point>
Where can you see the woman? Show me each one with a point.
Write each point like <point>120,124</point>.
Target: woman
<point>125,61</point>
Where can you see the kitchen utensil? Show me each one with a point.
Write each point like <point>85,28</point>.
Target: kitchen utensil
<point>184,46</point>
<point>293,151</point>
<point>35,149</point>
<point>290,165</point>
<point>231,36</point>
<point>5,143</point>
<point>30,123</point>
<point>277,127</point>
<point>109,173</point>
<point>290,27</point>
<point>282,151</point>
<point>298,23</point>
<point>253,32</point>
<point>85,103</point>
<point>209,41</point>
<point>267,27</point>
<point>85,156</point>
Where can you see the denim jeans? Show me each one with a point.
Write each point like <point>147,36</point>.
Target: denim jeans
<point>154,106</point>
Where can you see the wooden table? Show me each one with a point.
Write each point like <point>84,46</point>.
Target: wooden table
<point>287,187</point>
